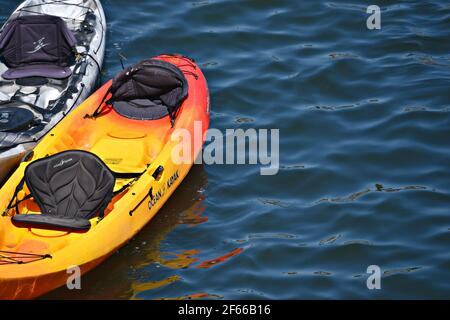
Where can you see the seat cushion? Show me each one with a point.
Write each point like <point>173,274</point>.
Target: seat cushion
<point>37,45</point>
<point>151,89</point>
<point>72,184</point>
<point>48,221</point>
<point>141,109</point>
<point>39,70</point>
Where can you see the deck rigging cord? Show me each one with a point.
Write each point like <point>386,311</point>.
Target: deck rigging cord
<point>9,257</point>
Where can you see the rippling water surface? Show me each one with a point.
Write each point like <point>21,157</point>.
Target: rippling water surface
<point>364,119</point>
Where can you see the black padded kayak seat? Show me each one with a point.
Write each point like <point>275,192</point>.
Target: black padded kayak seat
<point>14,119</point>
<point>70,188</point>
<point>37,46</point>
<point>149,90</point>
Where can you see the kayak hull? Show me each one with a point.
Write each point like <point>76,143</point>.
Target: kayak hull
<point>32,287</point>
<point>121,149</point>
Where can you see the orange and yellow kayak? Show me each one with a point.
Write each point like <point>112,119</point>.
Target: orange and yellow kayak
<point>35,260</point>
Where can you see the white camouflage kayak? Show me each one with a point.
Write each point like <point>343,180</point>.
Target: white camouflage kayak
<point>51,53</point>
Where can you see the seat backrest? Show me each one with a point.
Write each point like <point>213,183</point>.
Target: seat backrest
<point>71,184</point>
<point>37,39</point>
<point>151,79</point>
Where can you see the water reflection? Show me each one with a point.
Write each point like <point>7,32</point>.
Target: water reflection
<point>195,296</point>
<point>180,260</point>
<point>223,258</point>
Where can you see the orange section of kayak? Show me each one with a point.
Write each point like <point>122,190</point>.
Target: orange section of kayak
<point>125,145</point>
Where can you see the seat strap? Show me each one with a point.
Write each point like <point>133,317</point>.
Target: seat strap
<point>127,175</point>
<point>122,175</point>
<point>98,111</point>
<point>14,203</point>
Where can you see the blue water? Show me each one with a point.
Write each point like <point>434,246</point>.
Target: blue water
<point>364,119</point>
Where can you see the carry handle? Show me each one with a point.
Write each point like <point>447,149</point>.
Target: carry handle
<point>156,176</point>
<point>158,173</point>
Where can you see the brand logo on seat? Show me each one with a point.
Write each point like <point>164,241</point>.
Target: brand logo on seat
<point>62,162</point>
<point>38,45</point>
<point>4,117</point>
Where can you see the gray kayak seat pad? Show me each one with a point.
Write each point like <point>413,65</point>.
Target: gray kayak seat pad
<point>141,109</point>
<point>37,46</point>
<point>70,188</point>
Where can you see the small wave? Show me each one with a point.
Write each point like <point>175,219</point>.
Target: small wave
<point>378,188</point>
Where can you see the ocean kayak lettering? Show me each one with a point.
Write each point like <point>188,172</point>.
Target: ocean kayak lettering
<point>154,198</point>
<point>172,179</point>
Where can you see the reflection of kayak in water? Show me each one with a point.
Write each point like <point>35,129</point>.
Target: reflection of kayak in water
<point>36,90</point>
<point>147,264</point>
<point>109,172</point>
<point>223,258</point>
